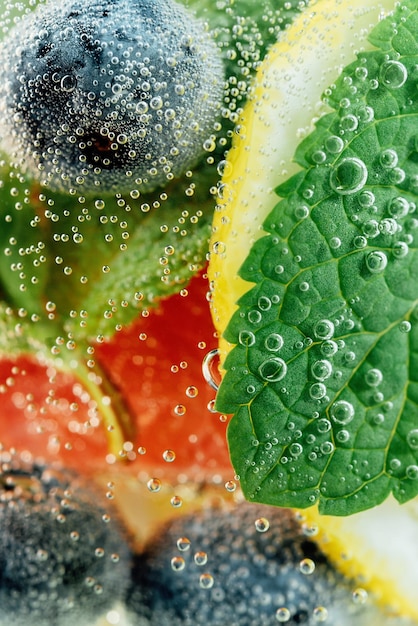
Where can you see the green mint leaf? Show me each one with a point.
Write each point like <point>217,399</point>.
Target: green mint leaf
<point>323,379</point>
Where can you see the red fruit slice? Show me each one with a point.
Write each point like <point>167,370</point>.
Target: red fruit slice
<point>46,412</point>
<point>155,368</point>
<point>157,365</point>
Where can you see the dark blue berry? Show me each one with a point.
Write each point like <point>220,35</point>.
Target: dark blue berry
<point>64,559</point>
<point>108,95</point>
<point>250,577</point>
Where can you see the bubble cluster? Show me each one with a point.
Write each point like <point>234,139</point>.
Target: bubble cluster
<point>249,577</point>
<point>108,95</point>
<point>339,244</point>
<point>61,563</point>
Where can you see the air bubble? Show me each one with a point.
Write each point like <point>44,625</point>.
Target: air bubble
<point>154,485</point>
<point>374,377</point>
<point>200,558</point>
<point>365,114</point>
<point>342,436</point>
<point>310,530</point>
<point>326,447</point>
<point>376,261</point>
<point>388,158</point>
<point>254,316</point>
<point>349,123</point>
<point>342,412</point>
<point>412,439</point>
<point>176,502</point>
<point>329,348</point>
<point>295,449</point>
<point>317,391</point>
<point>246,338</point>
<point>219,247</point>
<point>209,369</point>
<point>321,370</point>
<point>178,563</point>
<point>371,229</point>
<point>334,144</point>
<point>366,199</point>
<point>320,614</point>
<point>262,524</point>
<point>273,342</point>
<point>397,175</point>
<point>206,581</point>
<point>323,425</point>
<point>192,391</point>
<point>302,212</point>
<point>224,168</point>
<point>378,419</point>
<point>360,242</point>
<point>307,567</point>
<point>283,615</point>
<point>348,176</point>
<point>169,456</point>
<point>412,472</point>
<point>360,596</point>
<point>395,464</point>
<point>318,157</point>
<point>361,73</point>
<point>42,555</point>
<point>405,326</point>
<point>209,145</point>
<point>183,544</point>
<point>399,207</point>
<point>324,329</point>
<point>264,303</point>
<point>273,369</point>
<point>78,238</point>
<point>393,74</point>
<point>335,243</point>
<point>400,249</point>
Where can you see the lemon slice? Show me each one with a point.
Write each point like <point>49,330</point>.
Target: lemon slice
<point>378,547</point>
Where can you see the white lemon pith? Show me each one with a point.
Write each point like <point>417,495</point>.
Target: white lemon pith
<point>380,546</point>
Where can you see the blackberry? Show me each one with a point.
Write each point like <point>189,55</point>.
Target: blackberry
<point>64,558</point>
<point>252,566</point>
<point>107,95</point>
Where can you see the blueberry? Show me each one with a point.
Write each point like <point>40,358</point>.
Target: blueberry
<point>64,558</point>
<point>217,568</point>
<point>108,94</point>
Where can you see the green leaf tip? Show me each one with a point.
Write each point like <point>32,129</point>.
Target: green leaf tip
<point>323,379</point>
